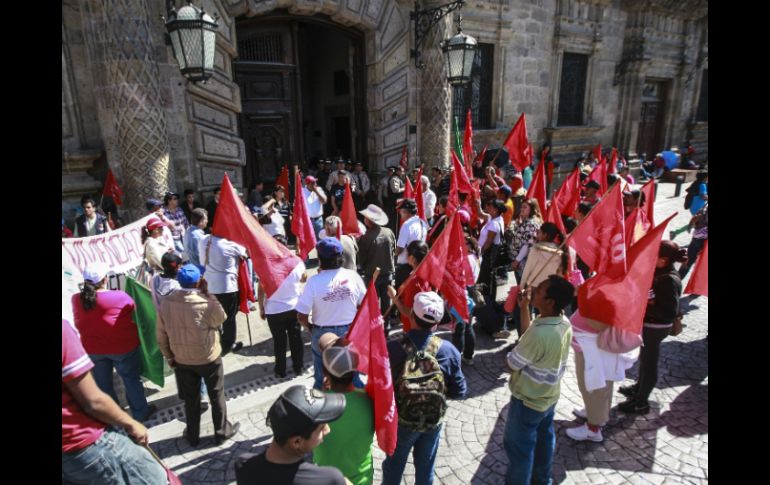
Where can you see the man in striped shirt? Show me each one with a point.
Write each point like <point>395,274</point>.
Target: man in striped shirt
<point>537,365</point>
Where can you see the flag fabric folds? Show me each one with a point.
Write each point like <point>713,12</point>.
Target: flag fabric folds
<point>648,190</point>
<point>301,225</point>
<point>517,145</point>
<point>404,162</point>
<point>418,197</point>
<point>567,197</point>
<point>283,180</point>
<point>467,149</point>
<point>348,214</point>
<point>111,188</point>
<point>537,189</point>
<point>699,280</point>
<point>145,317</point>
<point>272,260</point>
<point>245,287</point>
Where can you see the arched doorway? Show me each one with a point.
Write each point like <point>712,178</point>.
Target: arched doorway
<point>303,91</point>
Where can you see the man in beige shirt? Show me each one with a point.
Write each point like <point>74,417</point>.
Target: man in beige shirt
<point>189,322</point>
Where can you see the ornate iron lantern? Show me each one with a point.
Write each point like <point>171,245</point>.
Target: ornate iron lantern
<point>193,36</point>
<point>460,53</point>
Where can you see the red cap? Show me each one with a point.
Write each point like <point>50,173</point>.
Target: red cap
<point>154,223</point>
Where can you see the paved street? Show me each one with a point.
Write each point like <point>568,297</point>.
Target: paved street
<point>669,445</point>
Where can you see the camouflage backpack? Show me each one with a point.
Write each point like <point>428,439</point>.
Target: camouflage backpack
<point>421,390</point>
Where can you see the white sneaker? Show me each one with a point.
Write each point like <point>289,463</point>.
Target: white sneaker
<point>580,413</point>
<point>582,433</point>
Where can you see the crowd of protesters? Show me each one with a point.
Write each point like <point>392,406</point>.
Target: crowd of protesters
<point>194,283</point>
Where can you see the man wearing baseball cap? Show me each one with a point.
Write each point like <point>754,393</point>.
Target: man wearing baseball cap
<point>349,445</point>
<point>332,296</point>
<point>427,312</point>
<point>188,336</point>
<point>412,229</point>
<point>299,419</point>
<point>315,198</point>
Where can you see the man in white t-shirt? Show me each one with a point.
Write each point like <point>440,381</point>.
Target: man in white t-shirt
<point>332,296</point>
<point>221,258</point>
<point>315,198</point>
<point>428,198</point>
<point>281,315</point>
<point>413,229</point>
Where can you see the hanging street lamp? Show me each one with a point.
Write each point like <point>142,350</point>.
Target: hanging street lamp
<point>193,37</point>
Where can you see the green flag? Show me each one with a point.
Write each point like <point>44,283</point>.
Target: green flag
<point>144,317</point>
<point>458,148</point>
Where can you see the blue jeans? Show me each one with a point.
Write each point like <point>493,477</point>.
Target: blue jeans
<point>529,442</point>
<point>424,455</point>
<point>318,364</point>
<point>113,459</point>
<point>129,368</point>
<point>318,224</point>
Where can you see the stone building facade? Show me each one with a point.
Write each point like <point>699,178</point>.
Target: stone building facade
<point>297,79</point>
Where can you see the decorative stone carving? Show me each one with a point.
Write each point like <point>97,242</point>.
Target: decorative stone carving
<point>435,99</point>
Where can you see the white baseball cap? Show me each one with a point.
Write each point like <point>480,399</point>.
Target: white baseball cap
<point>428,306</point>
<point>340,360</point>
<point>95,272</point>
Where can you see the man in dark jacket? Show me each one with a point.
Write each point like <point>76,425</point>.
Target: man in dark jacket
<point>90,223</point>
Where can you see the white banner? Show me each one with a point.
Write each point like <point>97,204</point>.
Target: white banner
<point>122,249</point>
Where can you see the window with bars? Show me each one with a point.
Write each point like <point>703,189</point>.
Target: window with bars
<point>262,48</point>
<point>703,102</point>
<point>572,92</point>
<point>477,94</point>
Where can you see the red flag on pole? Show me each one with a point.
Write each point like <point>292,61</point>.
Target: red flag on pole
<point>283,180</point>
<point>553,215</point>
<point>245,287</point>
<point>517,145</point>
<point>463,183</point>
<point>613,168</point>
<point>457,272</point>
<point>567,197</point>
<point>418,197</point>
<point>404,162</point>
<point>648,190</point>
<point>301,225</point>
<point>367,338</point>
<point>599,239</point>
<point>480,157</point>
<point>111,188</point>
<point>468,144</point>
<point>348,214</point>
<point>599,174</point>
<point>537,188</point>
<point>598,152</point>
<point>408,190</point>
<point>272,260</point>
<point>637,226</point>
<point>699,280</point>
<point>621,301</point>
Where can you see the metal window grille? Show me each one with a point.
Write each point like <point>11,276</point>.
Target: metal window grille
<point>262,48</point>
<point>572,92</point>
<point>703,102</point>
<point>477,94</point>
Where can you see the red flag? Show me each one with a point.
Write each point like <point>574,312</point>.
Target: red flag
<point>648,190</point>
<point>613,168</point>
<point>245,288</point>
<point>463,183</point>
<point>367,338</point>
<point>457,271</point>
<point>404,162</point>
<point>599,239</point>
<point>699,280</point>
<point>599,174</point>
<point>598,152</point>
<point>301,225</point>
<point>553,215</point>
<point>621,301</point>
<point>111,188</point>
<point>567,197</point>
<point>637,226</point>
<point>272,260</point>
<point>468,144</point>
<point>480,157</point>
<point>408,190</point>
<point>283,179</point>
<point>418,197</point>
<point>537,188</point>
<point>348,214</point>
<point>517,145</point>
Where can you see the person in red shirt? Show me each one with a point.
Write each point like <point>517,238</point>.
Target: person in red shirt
<point>110,336</point>
<point>92,452</point>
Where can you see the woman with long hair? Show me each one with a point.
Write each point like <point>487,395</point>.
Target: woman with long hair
<point>524,235</point>
<point>490,240</point>
<point>110,336</point>
<point>662,310</point>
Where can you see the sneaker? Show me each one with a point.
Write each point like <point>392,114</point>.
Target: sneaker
<point>233,430</point>
<point>467,361</point>
<point>632,406</point>
<point>629,391</point>
<point>502,334</point>
<point>582,433</point>
<point>580,413</point>
<point>238,346</point>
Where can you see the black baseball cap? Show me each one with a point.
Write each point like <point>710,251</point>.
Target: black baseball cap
<point>300,409</point>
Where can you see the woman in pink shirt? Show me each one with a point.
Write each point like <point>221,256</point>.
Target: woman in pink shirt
<point>109,335</point>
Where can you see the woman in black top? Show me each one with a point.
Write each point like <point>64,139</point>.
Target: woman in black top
<point>662,310</point>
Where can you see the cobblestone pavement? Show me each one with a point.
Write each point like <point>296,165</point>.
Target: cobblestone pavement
<point>668,445</point>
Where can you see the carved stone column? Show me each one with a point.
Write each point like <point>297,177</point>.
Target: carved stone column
<point>435,96</point>
<point>123,62</point>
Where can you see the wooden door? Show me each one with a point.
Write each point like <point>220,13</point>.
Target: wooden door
<point>650,140</point>
<point>266,72</point>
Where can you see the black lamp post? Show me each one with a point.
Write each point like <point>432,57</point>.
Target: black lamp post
<point>459,50</point>
<point>193,36</point>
